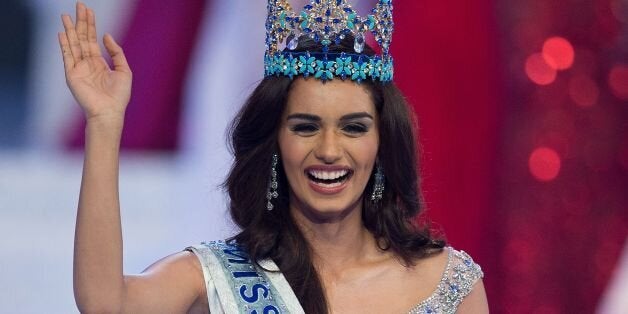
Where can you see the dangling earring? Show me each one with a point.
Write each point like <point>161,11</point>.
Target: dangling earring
<point>273,185</point>
<point>378,184</point>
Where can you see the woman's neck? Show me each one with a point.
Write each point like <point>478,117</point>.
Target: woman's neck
<point>339,241</point>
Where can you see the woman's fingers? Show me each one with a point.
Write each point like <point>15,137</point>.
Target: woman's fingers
<point>94,49</point>
<point>117,55</point>
<point>81,29</point>
<point>68,59</point>
<point>70,31</point>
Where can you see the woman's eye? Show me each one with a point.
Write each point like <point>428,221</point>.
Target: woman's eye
<point>355,128</point>
<point>305,128</point>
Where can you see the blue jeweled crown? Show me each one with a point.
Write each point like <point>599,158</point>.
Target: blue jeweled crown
<point>328,22</point>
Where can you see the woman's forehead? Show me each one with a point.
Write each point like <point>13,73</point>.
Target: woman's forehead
<point>334,97</point>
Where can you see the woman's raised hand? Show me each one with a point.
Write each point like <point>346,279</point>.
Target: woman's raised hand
<point>101,91</point>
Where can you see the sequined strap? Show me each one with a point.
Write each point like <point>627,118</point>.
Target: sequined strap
<point>456,283</point>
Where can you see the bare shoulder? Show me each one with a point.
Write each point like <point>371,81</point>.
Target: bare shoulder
<point>431,267</point>
<point>174,284</point>
<point>435,261</point>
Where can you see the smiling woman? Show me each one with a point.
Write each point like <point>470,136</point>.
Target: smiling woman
<point>329,231</point>
<point>328,141</point>
<point>324,187</point>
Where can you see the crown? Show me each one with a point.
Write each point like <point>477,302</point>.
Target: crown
<point>328,22</point>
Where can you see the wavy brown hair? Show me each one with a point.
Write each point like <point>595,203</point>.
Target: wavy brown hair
<point>274,234</point>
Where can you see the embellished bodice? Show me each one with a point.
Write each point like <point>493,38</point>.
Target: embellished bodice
<point>460,274</point>
<point>236,285</point>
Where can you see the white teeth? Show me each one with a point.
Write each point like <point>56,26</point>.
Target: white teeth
<point>330,185</point>
<point>328,175</point>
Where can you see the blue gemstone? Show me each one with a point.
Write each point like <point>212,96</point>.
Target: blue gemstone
<point>292,42</point>
<point>327,29</point>
<point>328,12</point>
<point>348,10</point>
<point>338,2</point>
<point>336,21</point>
<point>307,30</point>
<point>308,7</point>
<point>317,38</point>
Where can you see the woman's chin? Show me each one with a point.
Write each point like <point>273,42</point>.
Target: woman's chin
<point>327,210</point>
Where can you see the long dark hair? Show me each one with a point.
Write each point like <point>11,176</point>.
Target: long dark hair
<point>274,234</point>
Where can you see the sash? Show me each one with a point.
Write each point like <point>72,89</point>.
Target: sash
<point>236,285</point>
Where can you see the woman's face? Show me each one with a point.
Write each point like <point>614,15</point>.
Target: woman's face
<point>328,140</point>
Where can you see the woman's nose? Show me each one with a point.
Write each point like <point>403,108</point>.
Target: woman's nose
<point>328,148</point>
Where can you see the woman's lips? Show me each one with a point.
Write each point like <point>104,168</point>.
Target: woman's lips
<point>328,189</point>
<point>329,173</point>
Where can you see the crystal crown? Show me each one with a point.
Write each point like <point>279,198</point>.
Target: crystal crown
<point>328,22</point>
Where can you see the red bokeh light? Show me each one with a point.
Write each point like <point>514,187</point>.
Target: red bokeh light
<point>539,71</point>
<point>558,53</point>
<point>618,81</point>
<point>583,90</point>
<point>544,164</point>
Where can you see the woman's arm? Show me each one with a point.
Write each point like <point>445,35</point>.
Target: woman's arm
<point>475,302</point>
<point>173,284</point>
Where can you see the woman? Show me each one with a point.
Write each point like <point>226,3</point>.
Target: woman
<point>324,187</point>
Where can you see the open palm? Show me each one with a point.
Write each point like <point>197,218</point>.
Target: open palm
<point>100,90</point>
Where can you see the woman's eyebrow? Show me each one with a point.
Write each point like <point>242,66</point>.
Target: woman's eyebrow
<point>315,118</point>
<point>356,115</point>
<point>304,116</point>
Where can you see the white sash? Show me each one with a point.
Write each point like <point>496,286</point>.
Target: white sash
<point>235,285</point>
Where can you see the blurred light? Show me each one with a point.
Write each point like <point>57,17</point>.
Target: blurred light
<point>558,53</point>
<point>539,71</point>
<point>583,90</point>
<point>620,10</point>
<point>544,164</point>
<point>618,81</point>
